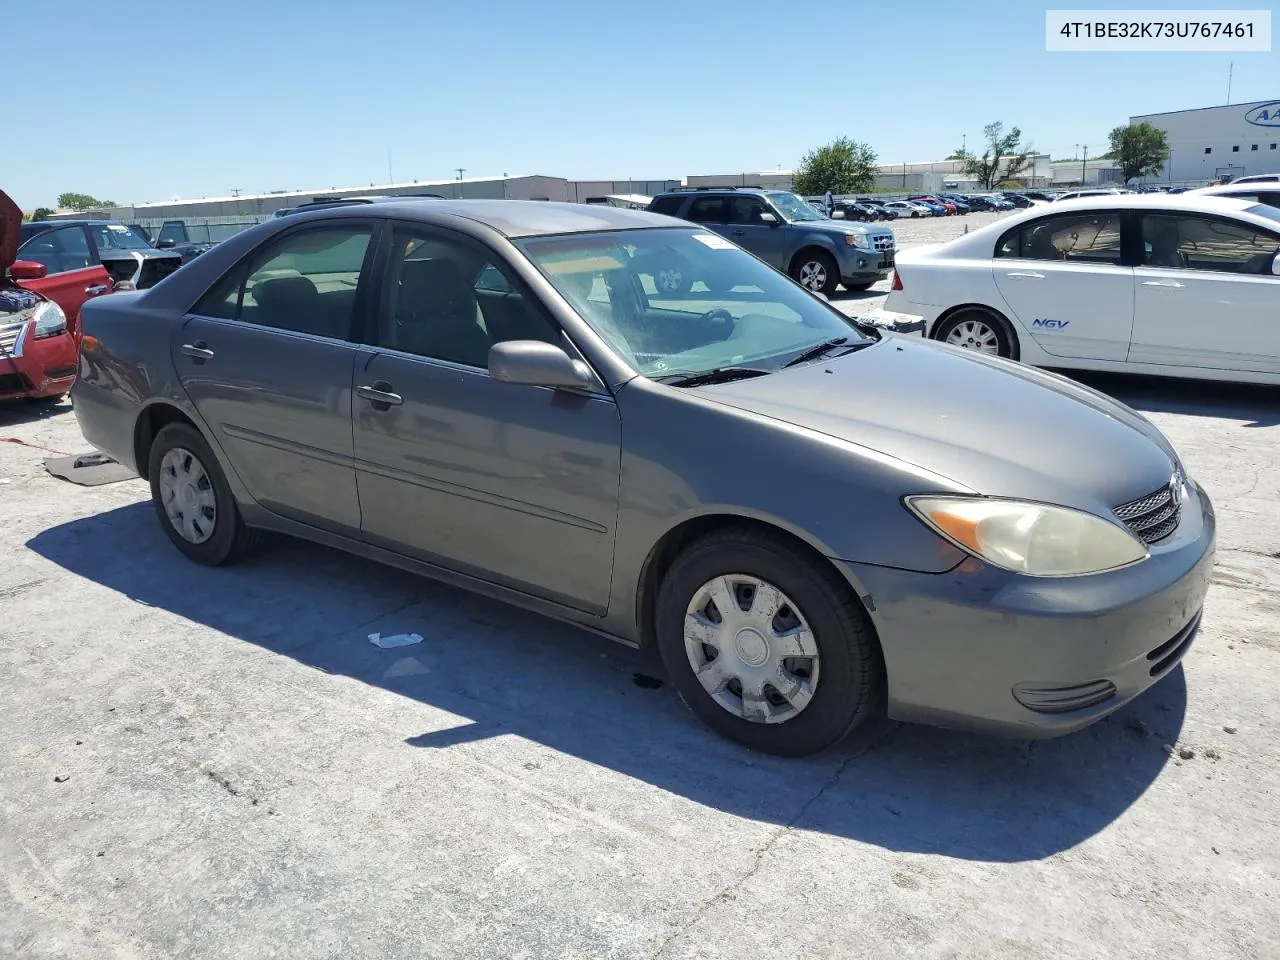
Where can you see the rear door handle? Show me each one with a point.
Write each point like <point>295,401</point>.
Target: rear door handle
<point>96,289</point>
<point>1162,283</point>
<point>198,351</point>
<point>380,394</point>
<point>1026,276</point>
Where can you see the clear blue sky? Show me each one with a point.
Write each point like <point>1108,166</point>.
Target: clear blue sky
<point>196,98</point>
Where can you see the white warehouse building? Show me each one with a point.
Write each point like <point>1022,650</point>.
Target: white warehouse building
<point>1213,143</point>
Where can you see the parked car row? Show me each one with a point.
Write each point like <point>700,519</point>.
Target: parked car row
<point>732,472</point>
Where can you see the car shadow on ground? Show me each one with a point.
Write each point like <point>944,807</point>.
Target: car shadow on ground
<point>14,412</point>
<point>509,672</point>
<point>1255,404</point>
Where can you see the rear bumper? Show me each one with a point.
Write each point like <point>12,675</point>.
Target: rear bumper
<point>39,368</point>
<point>989,651</point>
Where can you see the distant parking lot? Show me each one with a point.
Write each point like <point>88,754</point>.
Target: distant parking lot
<point>218,763</point>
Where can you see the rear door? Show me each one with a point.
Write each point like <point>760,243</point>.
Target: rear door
<point>712,212</point>
<point>75,275</point>
<point>1206,296</point>
<point>1063,279</point>
<point>267,358</point>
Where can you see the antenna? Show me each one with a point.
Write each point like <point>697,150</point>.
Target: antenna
<point>1230,70</point>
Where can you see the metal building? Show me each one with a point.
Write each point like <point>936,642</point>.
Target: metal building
<point>1214,143</point>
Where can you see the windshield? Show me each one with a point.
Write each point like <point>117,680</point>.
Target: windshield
<point>792,207</point>
<point>679,301</point>
<point>116,236</point>
<point>1265,210</point>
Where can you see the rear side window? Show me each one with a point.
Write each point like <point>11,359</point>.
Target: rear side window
<point>709,210</point>
<point>1080,238</point>
<point>305,282</point>
<point>668,206</point>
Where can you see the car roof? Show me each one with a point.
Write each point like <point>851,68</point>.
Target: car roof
<point>1183,201</point>
<point>512,218</point>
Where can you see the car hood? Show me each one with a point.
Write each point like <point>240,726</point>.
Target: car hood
<point>992,426</point>
<point>840,227</point>
<point>10,227</point>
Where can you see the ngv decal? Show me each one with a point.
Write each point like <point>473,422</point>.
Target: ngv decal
<point>1051,324</point>
<point>1267,115</point>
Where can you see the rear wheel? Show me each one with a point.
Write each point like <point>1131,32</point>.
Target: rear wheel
<point>672,280</point>
<point>193,499</point>
<point>766,646</point>
<point>981,330</point>
<point>816,270</point>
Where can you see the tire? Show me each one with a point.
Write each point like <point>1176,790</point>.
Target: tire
<point>816,270</point>
<point>858,287</point>
<point>671,281</point>
<point>954,330</point>
<point>225,538</point>
<point>48,401</point>
<point>848,667</point>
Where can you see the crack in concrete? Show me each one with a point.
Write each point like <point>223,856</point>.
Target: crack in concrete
<point>777,834</point>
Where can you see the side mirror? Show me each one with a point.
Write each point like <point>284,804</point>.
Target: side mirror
<point>1275,266</point>
<point>28,270</point>
<point>538,364</point>
<point>770,218</point>
<point>166,243</point>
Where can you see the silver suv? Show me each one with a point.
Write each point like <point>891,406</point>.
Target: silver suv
<point>786,233</point>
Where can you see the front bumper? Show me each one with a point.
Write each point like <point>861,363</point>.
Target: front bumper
<point>985,650</point>
<point>38,368</point>
<point>859,266</point>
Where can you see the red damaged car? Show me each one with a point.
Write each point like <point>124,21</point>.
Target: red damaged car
<point>37,351</point>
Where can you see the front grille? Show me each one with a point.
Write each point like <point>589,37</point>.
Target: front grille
<point>9,337</point>
<point>884,242</point>
<point>1154,516</point>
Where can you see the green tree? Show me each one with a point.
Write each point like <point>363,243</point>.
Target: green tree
<point>1004,158</point>
<point>82,201</point>
<point>842,166</point>
<point>1139,149</point>
<point>41,213</point>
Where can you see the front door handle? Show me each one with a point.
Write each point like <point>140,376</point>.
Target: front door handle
<point>380,394</point>
<point>198,351</point>
<point>96,289</point>
<point>1162,283</point>
<point>1026,276</point>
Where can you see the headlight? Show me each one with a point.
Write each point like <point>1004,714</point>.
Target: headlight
<point>50,320</point>
<point>1030,538</point>
<point>857,240</point>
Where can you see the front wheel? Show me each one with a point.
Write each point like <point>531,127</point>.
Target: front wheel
<point>766,646</point>
<point>816,271</point>
<point>672,281</point>
<point>193,499</point>
<point>979,330</point>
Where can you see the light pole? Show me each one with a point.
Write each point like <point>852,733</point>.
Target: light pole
<point>1084,164</point>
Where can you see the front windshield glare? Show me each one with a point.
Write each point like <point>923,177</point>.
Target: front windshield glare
<point>116,236</point>
<point>680,301</point>
<point>793,208</point>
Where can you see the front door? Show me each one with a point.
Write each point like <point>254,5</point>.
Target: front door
<point>268,356</point>
<point>513,484</point>
<point>747,229</point>
<point>1062,277</point>
<point>1206,294</point>
<point>74,273</point>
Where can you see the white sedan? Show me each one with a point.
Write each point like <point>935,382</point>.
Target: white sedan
<point>905,208</point>
<point>1185,285</point>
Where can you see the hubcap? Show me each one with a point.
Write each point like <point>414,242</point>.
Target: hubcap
<point>975,335</point>
<point>186,492</point>
<point>669,280</point>
<point>751,648</point>
<point>813,275</point>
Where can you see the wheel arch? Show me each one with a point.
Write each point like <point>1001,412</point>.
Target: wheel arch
<point>809,246</point>
<point>1010,327</point>
<point>154,418</point>
<point>669,546</point>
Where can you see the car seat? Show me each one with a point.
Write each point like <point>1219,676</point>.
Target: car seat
<point>437,315</point>
<point>1165,250</point>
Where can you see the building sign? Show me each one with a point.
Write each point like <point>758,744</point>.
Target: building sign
<point>1267,115</point>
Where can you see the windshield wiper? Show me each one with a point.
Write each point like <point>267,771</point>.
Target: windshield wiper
<point>718,375</point>
<point>817,350</point>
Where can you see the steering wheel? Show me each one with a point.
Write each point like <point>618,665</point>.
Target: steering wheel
<point>721,318</point>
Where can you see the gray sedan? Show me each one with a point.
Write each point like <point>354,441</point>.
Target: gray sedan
<point>811,520</point>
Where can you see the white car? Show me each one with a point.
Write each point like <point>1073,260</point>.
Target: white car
<point>907,209</point>
<point>1259,191</point>
<point>1185,285</point>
